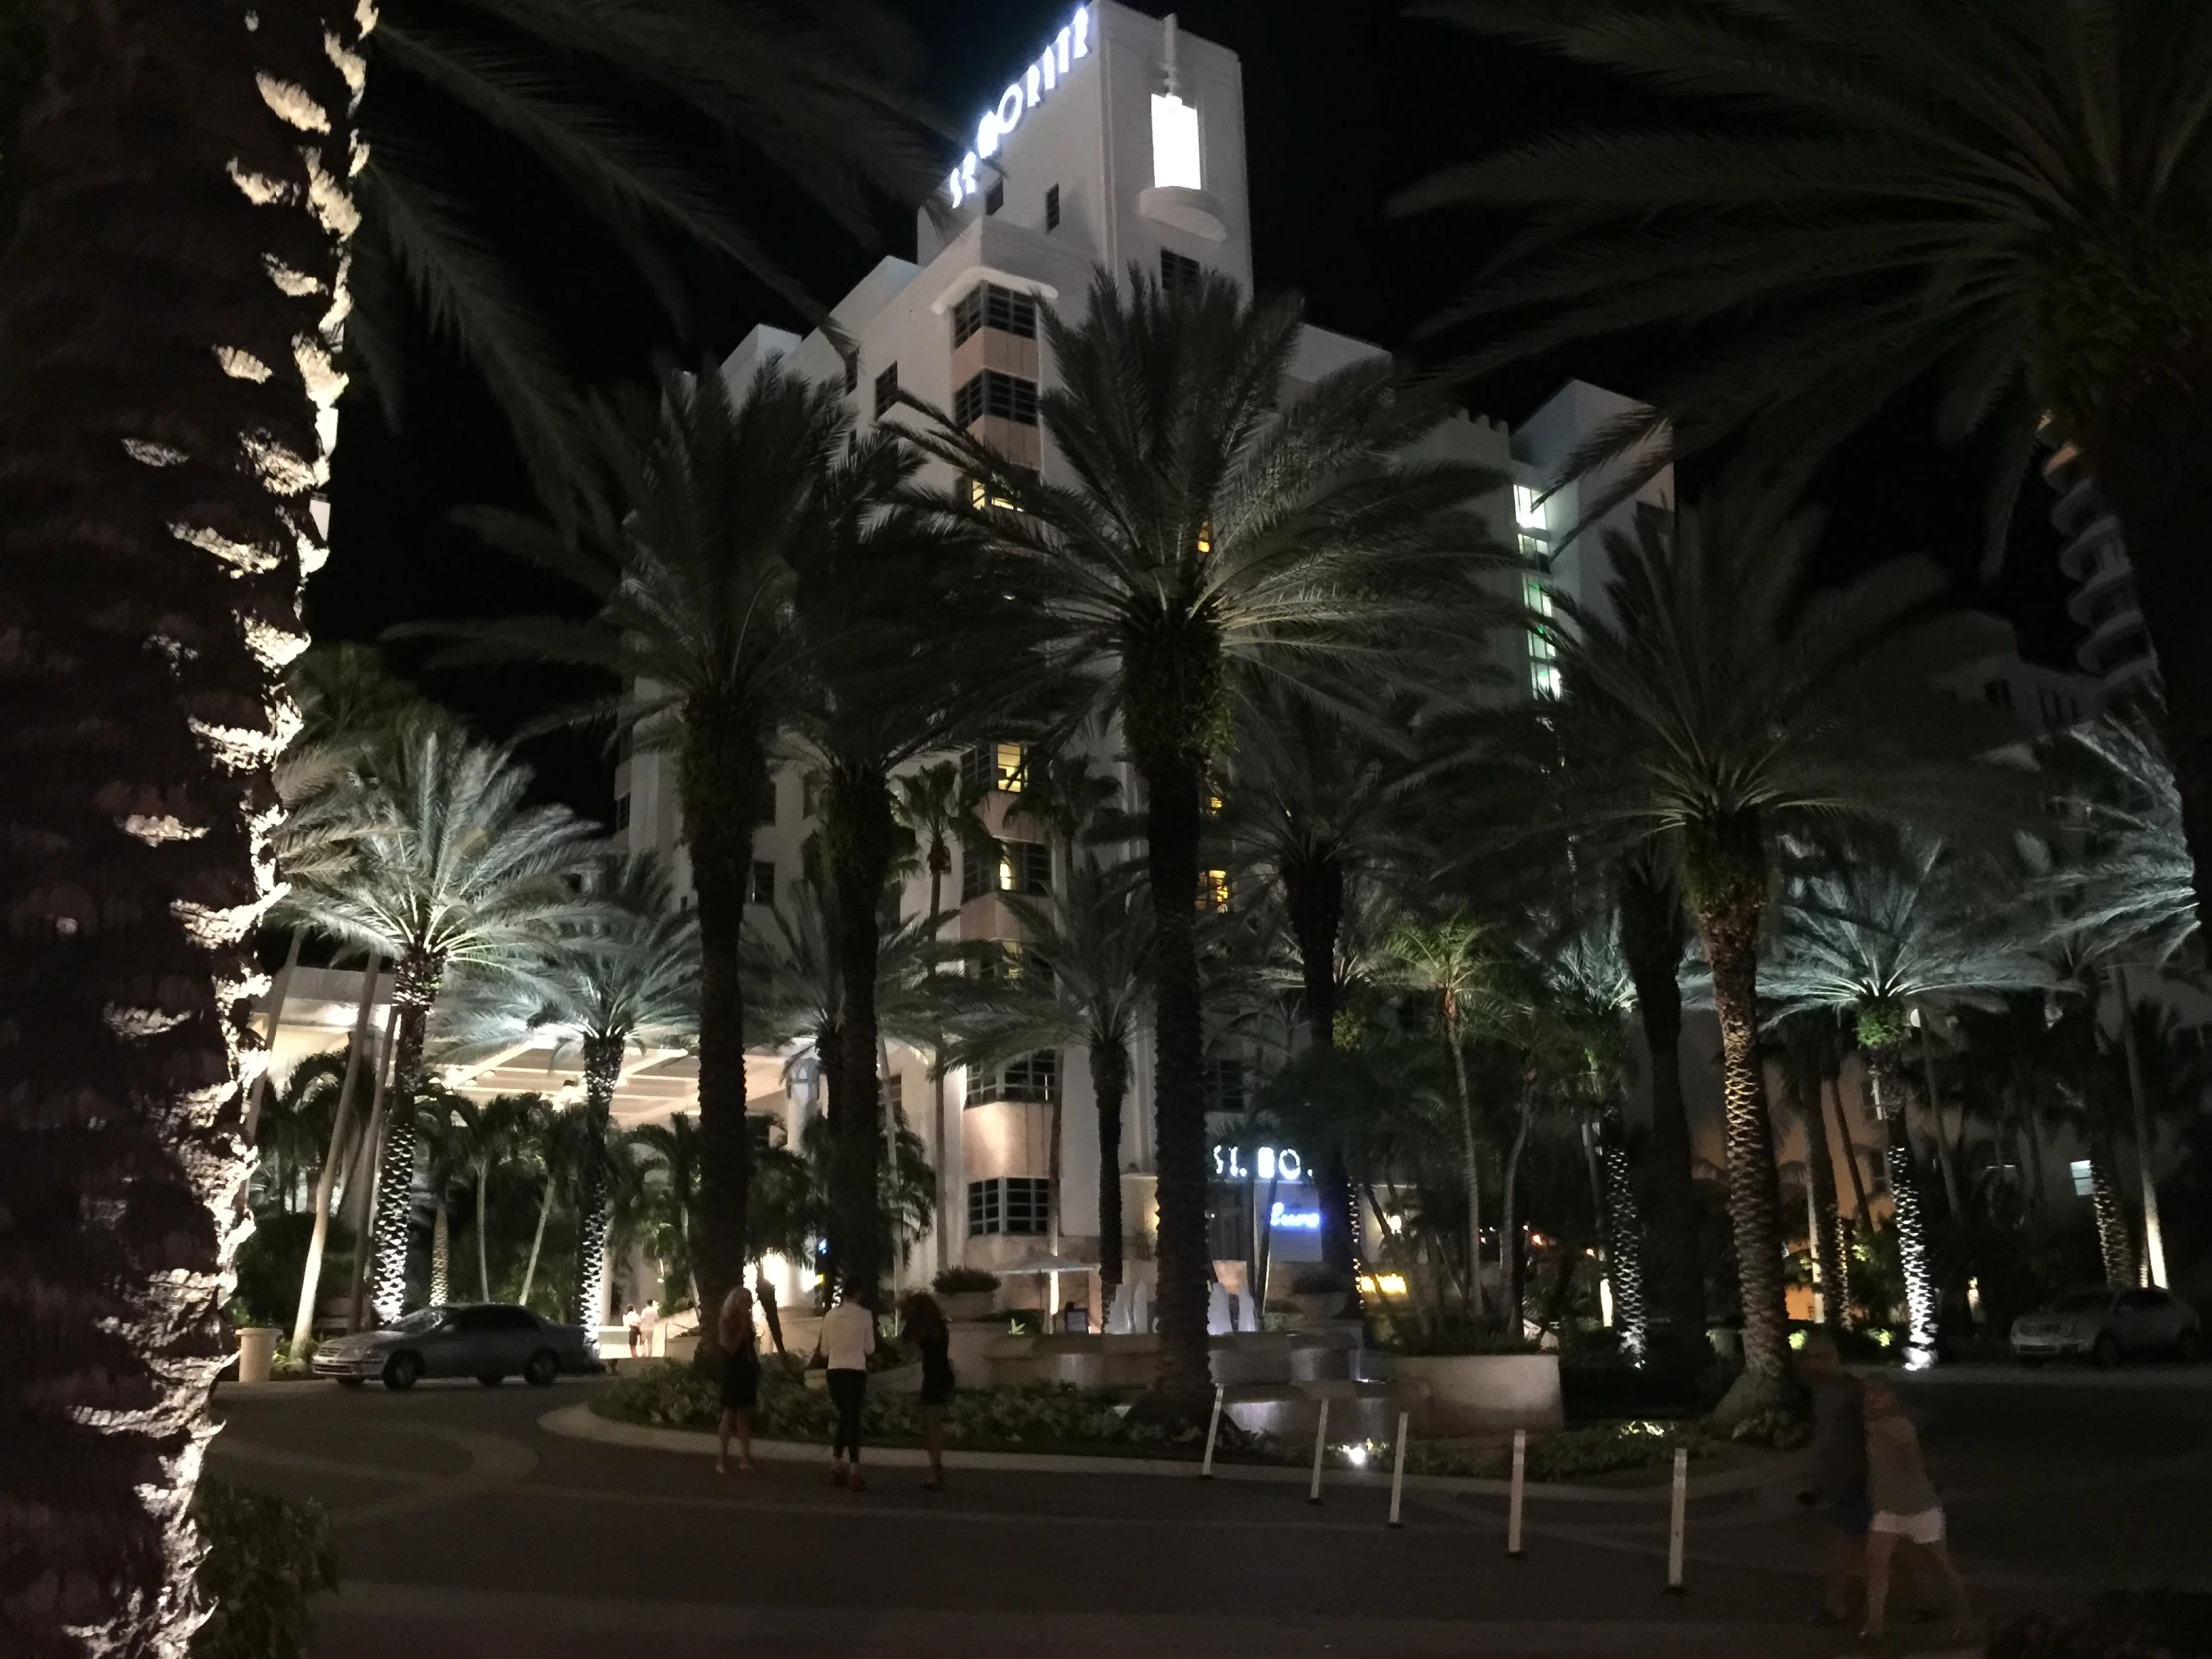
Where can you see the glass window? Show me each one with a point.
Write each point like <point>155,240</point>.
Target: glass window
<point>995,198</point>
<point>622,811</point>
<point>1029,1079</point>
<point>998,396</point>
<point>1052,209</point>
<point>1224,1083</point>
<point>1012,1203</point>
<point>1177,270</point>
<point>886,391</point>
<point>994,765</point>
<point>2084,1182</point>
<point>1213,891</point>
<point>987,306</point>
<point>1024,867</point>
<point>761,889</point>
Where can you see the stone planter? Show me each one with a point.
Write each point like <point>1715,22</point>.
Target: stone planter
<point>1486,1394</point>
<point>966,1305</point>
<point>257,1347</point>
<point>1321,1304</point>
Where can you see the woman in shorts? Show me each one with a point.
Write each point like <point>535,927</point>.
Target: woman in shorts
<point>926,1328</point>
<point>1905,1507</point>
<point>741,1376</point>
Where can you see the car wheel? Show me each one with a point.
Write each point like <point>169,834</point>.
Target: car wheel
<point>543,1367</point>
<point>492,1379</point>
<point>400,1372</point>
<point>2188,1346</point>
<point>2107,1350</point>
<point>352,1382</point>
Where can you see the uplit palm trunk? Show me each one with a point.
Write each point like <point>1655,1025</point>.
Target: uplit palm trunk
<point>595,1197</point>
<point>1179,1094</point>
<point>1624,1242</point>
<point>415,987</point>
<point>441,1254</point>
<point>365,1176</point>
<point>724,783</point>
<point>325,1183</point>
<point>940,866</point>
<point>1508,1226</point>
<point>2113,1242</point>
<point>167,409</point>
<point>1471,1154</point>
<point>537,1242</point>
<point>2155,1232</point>
<point>1110,1086</point>
<point>1824,1224</point>
<point>1314,895</point>
<point>1886,1072</point>
<point>1652,947</point>
<point>1728,895</point>
<point>858,829</point>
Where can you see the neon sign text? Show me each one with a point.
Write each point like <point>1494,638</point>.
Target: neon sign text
<point>1025,93</point>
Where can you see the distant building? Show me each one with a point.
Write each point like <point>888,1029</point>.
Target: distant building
<point>2116,649</point>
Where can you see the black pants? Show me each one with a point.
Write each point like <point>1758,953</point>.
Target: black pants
<point>848,1388</point>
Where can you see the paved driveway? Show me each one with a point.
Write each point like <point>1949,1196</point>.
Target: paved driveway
<point>464,1527</point>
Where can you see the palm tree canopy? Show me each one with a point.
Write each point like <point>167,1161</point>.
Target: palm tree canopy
<point>457,869</point>
<point>2121,874</point>
<point>794,973</point>
<point>1211,520</point>
<point>1715,693</point>
<point>812,91</point>
<point>2010,192</point>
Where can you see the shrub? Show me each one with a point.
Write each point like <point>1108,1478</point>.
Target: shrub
<point>266,1559</point>
<point>1779,1428</point>
<point>1609,1447</point>
<point>964,1281</point>
<point>663,1395</point>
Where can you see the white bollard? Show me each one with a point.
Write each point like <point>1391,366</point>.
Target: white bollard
<point>1681,1512</point>
<point>1398,1477</point>
<point>1320,1440</point>
<point>1206,1469</point>
<point>1520,1480</point>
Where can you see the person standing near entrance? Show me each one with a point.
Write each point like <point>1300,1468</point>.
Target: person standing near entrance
<point>848,1339</point>
<point>741,1377</point>
<point>926,1328</point>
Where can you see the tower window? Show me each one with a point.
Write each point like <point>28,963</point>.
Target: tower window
<point>1052,209</point>
<point>995,198</point>
<point>1028,1080</point>
<point>992,765</point>
<point>1177,271</point>
<point>761,888</point>
<point>1000,396</point>
<point>851,375</point>
<point>1017,1204</point>
<point>622,811</point>
<point>987,306</point>
<point>886,391</point>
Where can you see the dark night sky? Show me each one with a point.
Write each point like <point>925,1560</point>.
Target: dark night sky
<point>1345,104</point>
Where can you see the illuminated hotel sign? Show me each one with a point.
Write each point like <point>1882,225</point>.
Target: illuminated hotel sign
<point>1035,84</point>
<point>1267,1164</point>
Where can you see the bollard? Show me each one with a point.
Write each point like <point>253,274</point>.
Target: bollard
<point>1398,1477</point>
<point>1674,1533</point>
<point>1320,1441</point>
<point>1212,1428</point>
<point>1520,1480</point>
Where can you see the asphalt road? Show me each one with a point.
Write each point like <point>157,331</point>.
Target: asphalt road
<point>464,1527</point>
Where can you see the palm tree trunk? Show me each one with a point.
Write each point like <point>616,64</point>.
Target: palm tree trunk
<point>484,1252</point>
<point>1831,1080</point>
<point>1109,1085</point>
<point>1313,896</point>
<point>1470,1158</point>
<point>1179,1090</point>
<point>1728,925</point>
<point>1508,1234</point>
<point>1651,946</point>
<point>414,988</point>
<point>1624,1242</point>
<point>156,533</point>
<point>1886,1072</point>
<point>860,827</point>
<point>2113,1242</point>
<point>441,1254</point>
<point>2033,1133</point>
<point>278,994</point>
<point>1823,1225</point>
<point>595,1195</point>
<point>2155,1232</point>
<point>940,861</point>
<point>1944,1158</point>
<point>310,1279</point>
<point>364,1174</point>
<point>537,1241</point>
<point>725,784</point>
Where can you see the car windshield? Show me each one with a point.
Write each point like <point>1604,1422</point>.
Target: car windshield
<point>2082,1302</point>
<point>422,1319</point>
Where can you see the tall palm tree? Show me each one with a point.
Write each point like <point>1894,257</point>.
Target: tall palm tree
<point>623,975</point>
<point>1808,1045</point>
<point>1723,704</point>
<point>1207,525</point>
<point>1883,930</point>
<point>940,811</point>
<point>443,1134</point>
<point>173,296</point>
<point>672,1157</point>
<point>719,498</point>
<point>2007,193</point>
<point>458,874</point>
<point>1314,805</point>
<point>1083,978</point>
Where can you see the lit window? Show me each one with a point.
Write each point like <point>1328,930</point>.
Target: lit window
<point>994,765</point>
<point>1543,650</point>
<point>2084,1182</point>
<point>1528,510</point>
<point>1173,143</point>
<point>1206,538</point>
<point>1212,889</point>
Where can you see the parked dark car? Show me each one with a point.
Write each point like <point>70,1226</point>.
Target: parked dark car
<point>2109,1325</point>
<point>489,1341</point>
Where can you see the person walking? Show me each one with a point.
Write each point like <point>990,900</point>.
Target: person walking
<point>630,1325</point>
<point>926,1329</point>
<point>649,1319</point>
<point>741,1377</point>
<point>1838,1475</point>
<point>848,1339</point>
<point>1905,1507</point>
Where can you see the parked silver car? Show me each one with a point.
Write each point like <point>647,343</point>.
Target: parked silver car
<point>489,1341</point>
<point>2109,1325</point>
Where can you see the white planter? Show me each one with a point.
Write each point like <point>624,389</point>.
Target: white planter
<point>966,1305</point>
<point>1486,1394</point>
<point>257,1347</point>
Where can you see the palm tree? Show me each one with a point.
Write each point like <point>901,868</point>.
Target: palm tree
<point>940,810</point>
<point>1315,804</point>
<point>2006,194</point>
<point>720,497</point>
<point>672,1157</point>
<point>1083,977</point>
<point>1208,526</point>
<point>1808,1043</point>
<point>442,1134</point>
<point>1882,928</point>
<point>1722,704</point>
<point>623,975</point>
<point>456,873</point>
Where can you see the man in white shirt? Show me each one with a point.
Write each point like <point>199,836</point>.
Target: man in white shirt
<point>848,1339</point>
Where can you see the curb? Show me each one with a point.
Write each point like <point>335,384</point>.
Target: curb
<point>581,1422</point>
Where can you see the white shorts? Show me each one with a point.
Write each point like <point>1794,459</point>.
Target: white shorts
<point>1924,1526</point>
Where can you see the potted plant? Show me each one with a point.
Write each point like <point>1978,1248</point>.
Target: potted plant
<point>965,1293</point>
<point>1319,1294</point>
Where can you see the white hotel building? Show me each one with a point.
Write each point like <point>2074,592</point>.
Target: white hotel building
<point>1122,142</point>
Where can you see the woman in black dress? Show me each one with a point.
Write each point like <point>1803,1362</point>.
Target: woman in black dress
<point>741,1376</point>
<point>927,1329</point>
